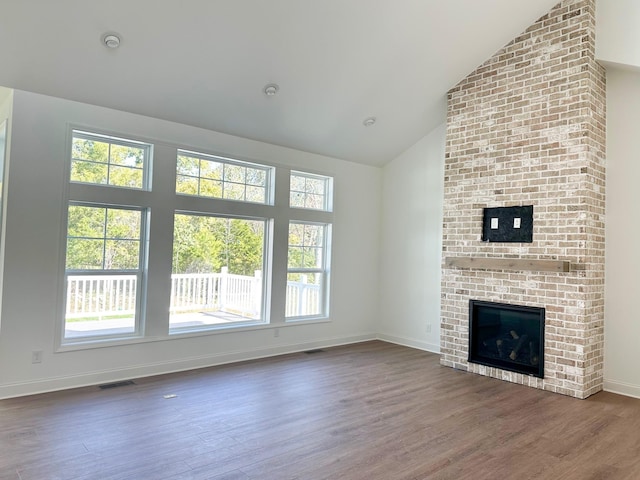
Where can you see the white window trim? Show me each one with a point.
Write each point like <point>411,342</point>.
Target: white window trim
<point>266,281</point>
<point>164,203</point>
<point>324,270</point>
<point>328,195</point>
<point>146,146</point>
<point>268,170</point>
<point>140,274</point>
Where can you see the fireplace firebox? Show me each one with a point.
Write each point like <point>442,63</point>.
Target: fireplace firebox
<point>510,337</point>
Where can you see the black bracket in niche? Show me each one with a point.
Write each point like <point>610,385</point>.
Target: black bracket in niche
<point>508,224</point>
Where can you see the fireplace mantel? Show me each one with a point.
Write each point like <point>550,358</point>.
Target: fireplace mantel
<point>508,264</point>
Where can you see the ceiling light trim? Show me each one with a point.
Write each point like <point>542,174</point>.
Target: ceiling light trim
<point>369,121</point>
<point>111,40</point>
<point>271,89</point>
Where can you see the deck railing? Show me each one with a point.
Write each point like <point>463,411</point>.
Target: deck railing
<point>217,292</point>
<point>100,296</point>
<point>302,298</point>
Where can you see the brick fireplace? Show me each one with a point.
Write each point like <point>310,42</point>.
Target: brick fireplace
<point>528,128</point>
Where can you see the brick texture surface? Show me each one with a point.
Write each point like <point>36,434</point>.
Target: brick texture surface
<point>528,128</point>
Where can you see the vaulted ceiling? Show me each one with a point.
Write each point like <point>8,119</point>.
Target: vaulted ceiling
<point>205,63</point>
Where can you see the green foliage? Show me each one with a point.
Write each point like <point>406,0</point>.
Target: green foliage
<point>306,245</point>
<point>109,238</point>
<point>107,163</point>
<point>209,178</point>
<point>103,238</point>
<point>203,244</point>
<point>245,243</point>
<point>195,246</point>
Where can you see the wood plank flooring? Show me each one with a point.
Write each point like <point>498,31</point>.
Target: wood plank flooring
<point>367,411</point>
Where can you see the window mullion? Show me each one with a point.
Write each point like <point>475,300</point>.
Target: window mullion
<point>109,164</point>
<point>280,248</point>
<point>104,239</point>
<point>159,242</point>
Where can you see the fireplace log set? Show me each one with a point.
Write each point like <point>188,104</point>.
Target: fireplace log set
<point>505,336</point>
<point>512,346</point>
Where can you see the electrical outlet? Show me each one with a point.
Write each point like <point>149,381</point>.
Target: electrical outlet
<point>428,328</point>
<point>276,332</point>
<point>36,356</point>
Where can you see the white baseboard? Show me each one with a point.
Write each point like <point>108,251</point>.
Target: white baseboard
<point>407,342</point>
<point>159,368</point>
<point>622,388</point>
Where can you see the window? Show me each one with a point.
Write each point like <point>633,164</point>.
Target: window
<point>216,271</point>
<point>310,191</point>
<point>217,275</point>
<point>103,270</point>
<point>307,270</point>
<point>307,263</point>
<point>104,160</point>
<point>217,177</point>
<point>105,256</point>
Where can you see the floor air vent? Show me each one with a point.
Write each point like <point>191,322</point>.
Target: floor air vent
<point>124,383</point>
<point>316,350</point>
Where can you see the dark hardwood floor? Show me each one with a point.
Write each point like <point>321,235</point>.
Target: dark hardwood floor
<point>367,411</point>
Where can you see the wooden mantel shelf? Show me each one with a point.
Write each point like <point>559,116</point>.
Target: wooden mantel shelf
<point>508,264</point>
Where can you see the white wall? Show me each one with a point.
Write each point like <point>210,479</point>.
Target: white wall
<point>6,109</point>
<point>618,32</point>
<point>34,245</point>
<point>622,281</point>
<point>618,47</point>
<point>413,193</point>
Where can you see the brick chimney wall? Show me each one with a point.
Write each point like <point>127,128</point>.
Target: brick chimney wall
<point>528,128</point>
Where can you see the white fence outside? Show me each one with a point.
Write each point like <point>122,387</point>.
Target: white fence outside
<point>113,295</point>
<point>303,299</point>
<point>100,295</point>
<point>222,291</point>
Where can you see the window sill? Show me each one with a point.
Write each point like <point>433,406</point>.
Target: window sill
<point>190,333</point>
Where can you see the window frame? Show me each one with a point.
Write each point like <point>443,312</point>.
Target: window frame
<point>114,140</point>
<point>105,196</point>
<point>327,204</point>
<point>266,276</point>
<point>153,302</point>
<point>139,273</point>
<point>323,270</point>
<point>269,172</point>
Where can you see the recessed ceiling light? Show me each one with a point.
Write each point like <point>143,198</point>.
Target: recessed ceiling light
<point>369,121</point>
<point>111,40</point>
<point>271,89</point>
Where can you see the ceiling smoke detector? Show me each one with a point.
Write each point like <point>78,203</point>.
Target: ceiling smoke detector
<point>369,121</point>
<point>271,89</point>
<point>111,41</point>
